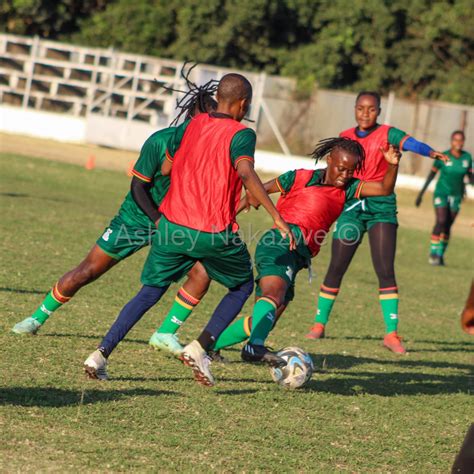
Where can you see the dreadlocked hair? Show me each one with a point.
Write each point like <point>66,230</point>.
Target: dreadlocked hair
<point>327,145</point>
<point>200,97</point>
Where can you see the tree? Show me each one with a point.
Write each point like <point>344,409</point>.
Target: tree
<point>46,18</point>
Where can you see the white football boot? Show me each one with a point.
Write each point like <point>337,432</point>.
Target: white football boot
<point>195,356</point>
<point>95,366</point>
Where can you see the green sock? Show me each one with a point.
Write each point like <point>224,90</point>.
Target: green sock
<point>443,241</point>
<point>389,303</point>
<point>235,333</point>
<point>263,318</point>
<point>327,297</point>
<point>51,303</point>
<point>435,247</point>
<point>182,307</point>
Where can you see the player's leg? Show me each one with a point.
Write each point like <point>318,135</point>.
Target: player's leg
<point>239,331</point>
<point>277,268</point>
<point>383,244</point>
<point>347,236</point>
<point>96,263</point>
<point>342,253</point>
<point>163,266</point>
<point>119,240</point>
<point>187,298</point>
<point>227,261</point>
<point>441,221</point>
<point>453,210</point>
<point>272,291</point>
<point>132,312</point>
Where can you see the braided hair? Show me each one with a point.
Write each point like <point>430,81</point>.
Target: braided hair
<point>327,145</point>
<point>200,97</point>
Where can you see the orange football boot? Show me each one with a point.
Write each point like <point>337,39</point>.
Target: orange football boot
<point>393,342</point>
<point>316,331</point>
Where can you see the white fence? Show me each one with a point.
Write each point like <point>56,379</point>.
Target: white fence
<point>106,97</point>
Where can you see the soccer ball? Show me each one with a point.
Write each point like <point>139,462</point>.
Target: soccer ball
<point>297,371</point>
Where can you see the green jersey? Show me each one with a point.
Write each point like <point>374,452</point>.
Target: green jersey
<point>451,174</point>
<point>148,169</point>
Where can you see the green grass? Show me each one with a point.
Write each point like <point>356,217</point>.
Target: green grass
<point>365,410</point>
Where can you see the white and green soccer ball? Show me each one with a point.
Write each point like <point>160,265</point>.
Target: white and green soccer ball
<point>298,370</point>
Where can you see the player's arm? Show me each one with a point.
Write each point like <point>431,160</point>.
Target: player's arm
<point>470,173</point>
<point>242,151</point>
<point>405,142</point>
<point>253,184</point>
<point>429,178</point>
<point>387,185</point>
<point>147,165</point>
<point>249,200</point>
<point>141,193</point>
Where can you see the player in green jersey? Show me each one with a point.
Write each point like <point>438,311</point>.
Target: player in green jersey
<point>448,194</point>
<point>311,200</point>
<point>129,231</point>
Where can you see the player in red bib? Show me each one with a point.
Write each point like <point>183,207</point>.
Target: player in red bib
<point>209,158</point>
<point>311,201</point>
<point>375,215</point>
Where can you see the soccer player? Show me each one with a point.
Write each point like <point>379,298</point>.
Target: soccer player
<point>311,201</point>
<point>375,215</point>
<point>210,157</point>
<point>131,230</point>
<point>448,194</point>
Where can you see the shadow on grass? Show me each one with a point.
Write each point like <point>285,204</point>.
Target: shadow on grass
<point>413,342</point>
<point>390,383</point>
<point>186,379</point>
<point>339,361</point>
<point>15,195</point>
<point>23,291</point>
<point>58,397</point>
<point>237,391</point>
<point>23,195</point>
<point>90,336</point>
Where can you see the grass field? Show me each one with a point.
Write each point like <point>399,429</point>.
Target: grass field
<point>365,410</point>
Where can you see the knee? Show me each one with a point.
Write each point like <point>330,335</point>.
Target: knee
<point>198,273</point>
<point>442,221</point>
<point>150,295</point>
<point>85,273</point>
<point>276,293</point>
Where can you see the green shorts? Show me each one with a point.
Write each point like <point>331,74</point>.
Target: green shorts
<point>273,257</point>
<point>175,249</point>
<point>443,200</point>
<point>122,238</point>
<point>359,216</point>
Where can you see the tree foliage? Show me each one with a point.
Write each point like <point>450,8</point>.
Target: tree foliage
<point>419,48</point>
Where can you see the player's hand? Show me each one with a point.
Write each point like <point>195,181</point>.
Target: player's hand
<point>437,155</point>
<point>392,155</point>
<point>418,200</point>
<point>285,231</point>
<point>251,200</point>
<point>467,321</point>
<point>243,205</point>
